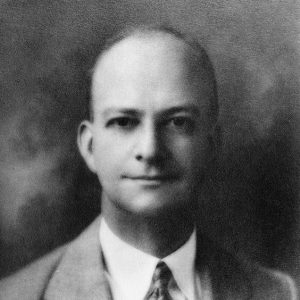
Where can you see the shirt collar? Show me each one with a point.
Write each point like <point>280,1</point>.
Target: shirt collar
<point>128,266</point>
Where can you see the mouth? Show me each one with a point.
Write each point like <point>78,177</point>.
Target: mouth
<point>152,179</point>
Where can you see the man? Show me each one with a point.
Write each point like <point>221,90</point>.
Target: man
<point>149,139</point>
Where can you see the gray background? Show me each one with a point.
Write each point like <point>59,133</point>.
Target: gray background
<point>250,203</point>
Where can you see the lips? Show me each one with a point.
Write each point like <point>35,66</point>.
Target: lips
<point>152,178</point>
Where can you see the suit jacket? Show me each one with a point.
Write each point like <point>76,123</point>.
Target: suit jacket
<point>75,271</point>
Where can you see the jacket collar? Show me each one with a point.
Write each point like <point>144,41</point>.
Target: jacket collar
<point>80,273</point>
<point>228,278</point>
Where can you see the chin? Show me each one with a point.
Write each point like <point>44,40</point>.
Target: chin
<point>150,206</point>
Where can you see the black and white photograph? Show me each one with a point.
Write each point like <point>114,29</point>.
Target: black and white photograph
<point>149,150</point>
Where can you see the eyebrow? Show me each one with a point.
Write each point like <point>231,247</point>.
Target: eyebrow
<point>125,111</point>
<point>193,109</point>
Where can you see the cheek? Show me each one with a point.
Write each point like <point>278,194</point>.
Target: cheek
<point>189,149</point>
<point>108,156</point>
<point>192,155</point>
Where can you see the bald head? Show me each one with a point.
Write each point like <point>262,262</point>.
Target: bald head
<point>150,55</point>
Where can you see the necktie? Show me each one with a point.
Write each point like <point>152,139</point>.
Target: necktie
<point>163,285</point>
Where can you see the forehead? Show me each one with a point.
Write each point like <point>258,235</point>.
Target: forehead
<point>146,64</point>
<point>141,54</point>
<point>159,45</point>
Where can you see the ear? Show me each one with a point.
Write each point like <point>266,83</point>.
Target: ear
<point>85,144</point>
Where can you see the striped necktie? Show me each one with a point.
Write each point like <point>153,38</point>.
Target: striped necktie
<point>163,285</point>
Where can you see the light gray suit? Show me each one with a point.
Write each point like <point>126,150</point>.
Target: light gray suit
<point>75,271</point>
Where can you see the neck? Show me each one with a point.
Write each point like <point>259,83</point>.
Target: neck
<point>158,235</point>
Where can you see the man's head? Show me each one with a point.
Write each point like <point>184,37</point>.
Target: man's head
<point>153,109</point>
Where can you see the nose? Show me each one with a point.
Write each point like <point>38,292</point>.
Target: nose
<point>149,147</point>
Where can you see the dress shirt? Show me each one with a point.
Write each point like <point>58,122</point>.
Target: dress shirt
<point>129,270</point>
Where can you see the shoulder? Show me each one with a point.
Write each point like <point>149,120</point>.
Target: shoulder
<point>64,268</point>
<point>262,283</point>
<point>30,282</point>
<point>269,284</point>
<point>234,277</point>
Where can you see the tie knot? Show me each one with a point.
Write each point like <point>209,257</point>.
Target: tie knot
<point>163,283</point>
<point>162,275</point>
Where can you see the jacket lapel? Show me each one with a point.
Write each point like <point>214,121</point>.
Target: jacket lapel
<point>228,279</point>
<point>80,273</point>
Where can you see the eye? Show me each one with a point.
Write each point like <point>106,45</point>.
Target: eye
<point>122,122</point>
<point>182,123</point>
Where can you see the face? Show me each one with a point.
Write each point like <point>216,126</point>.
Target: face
<point>149,134</point>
